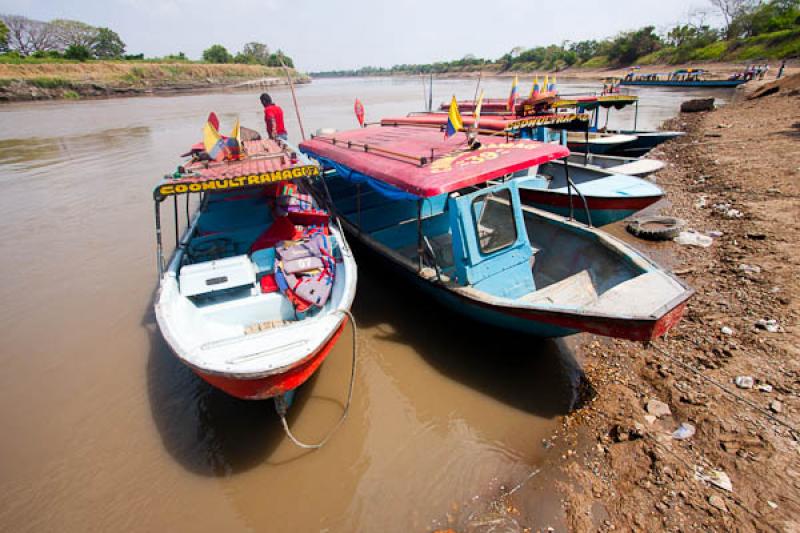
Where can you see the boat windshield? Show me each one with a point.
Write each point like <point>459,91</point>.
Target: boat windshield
<point>494,221</point>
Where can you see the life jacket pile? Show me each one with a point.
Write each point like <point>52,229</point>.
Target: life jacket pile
<point>304,264</point>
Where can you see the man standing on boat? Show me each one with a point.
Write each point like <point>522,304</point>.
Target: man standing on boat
<point>273,118</point>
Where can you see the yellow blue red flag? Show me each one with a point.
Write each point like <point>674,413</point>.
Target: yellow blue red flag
<point>512,98</point>
<point>213,143</point>
<point>536,87</point>
<point>454,122</point>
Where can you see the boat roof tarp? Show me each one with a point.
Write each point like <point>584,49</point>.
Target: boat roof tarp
<point>567,121</point>
<point>421,162</point>
<point>265,162</point>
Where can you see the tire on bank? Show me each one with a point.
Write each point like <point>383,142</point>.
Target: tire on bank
<point>656,228</point>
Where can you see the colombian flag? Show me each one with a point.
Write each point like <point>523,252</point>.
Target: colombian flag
<point>454,123</point>
<point>233,144</point>
<point>512,98</point>
<point>536,87</point>
<point>213,143</point>
<point>552,86</point>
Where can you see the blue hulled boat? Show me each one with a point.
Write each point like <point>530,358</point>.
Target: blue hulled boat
<point>442,214</point>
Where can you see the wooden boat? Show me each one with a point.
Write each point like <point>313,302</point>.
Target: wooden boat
<point>680,78</point>
<point>631,166</point>
<point>599,143</point>
<point>426,205</point>
<point>606,140</point>
<point>258,289</point>
<point>609,196</point>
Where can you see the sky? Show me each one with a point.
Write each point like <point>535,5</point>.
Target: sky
<point>344,34</point>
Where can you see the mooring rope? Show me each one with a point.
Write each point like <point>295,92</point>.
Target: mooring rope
<point>282,407</point>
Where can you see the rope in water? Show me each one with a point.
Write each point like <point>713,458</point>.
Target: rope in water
<point>727,391</point>
<point>281,407</point>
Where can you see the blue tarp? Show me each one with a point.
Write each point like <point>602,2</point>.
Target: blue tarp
<point>353,176</point>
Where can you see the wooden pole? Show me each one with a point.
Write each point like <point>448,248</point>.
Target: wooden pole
<point>294,98</point>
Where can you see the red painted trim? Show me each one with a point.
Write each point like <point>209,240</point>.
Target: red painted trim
<point>275,385</point>
<point>562,200</point>
<point>622,328</point>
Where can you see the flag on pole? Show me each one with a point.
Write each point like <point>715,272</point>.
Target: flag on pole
<point>552,87</point>
<point>536,87</point>
<point>512,98</point>
<point>359,109</point>
<point>213,143</point>
<point>546,84</point>
<point>477,113</point>
<point>233,144</point>
<point>454,122</point>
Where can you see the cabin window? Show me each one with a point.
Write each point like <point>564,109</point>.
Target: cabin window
<point>494,221</point>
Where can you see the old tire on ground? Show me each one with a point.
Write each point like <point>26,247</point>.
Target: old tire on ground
<point>656,228</point>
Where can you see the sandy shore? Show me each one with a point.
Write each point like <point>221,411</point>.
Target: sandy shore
<point>737,172</point>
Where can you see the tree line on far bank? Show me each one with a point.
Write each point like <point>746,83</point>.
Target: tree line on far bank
<point>23,39</point>
<point>751,29</point>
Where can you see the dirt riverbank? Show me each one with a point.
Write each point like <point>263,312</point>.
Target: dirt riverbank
<point>737,171</point>
<point>108,79</point>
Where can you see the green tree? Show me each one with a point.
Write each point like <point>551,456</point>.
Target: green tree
<point>629,46</point>
<point>3,37</point>
<point>585,50</point>
<point>253,53</point>
<point>217,54</point>
<point>78,52</point>
<point>108,44</point>
<point>73,33</point>
<point>276,58</point>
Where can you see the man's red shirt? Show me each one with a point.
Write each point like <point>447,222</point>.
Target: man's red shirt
<point>273,116</point>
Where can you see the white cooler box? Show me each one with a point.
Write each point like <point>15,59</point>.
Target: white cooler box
<point>211,276</point>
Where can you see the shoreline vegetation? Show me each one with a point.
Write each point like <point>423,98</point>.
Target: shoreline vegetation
<point>105,79</point>
<point>70,59</point>
<point>752,31</point>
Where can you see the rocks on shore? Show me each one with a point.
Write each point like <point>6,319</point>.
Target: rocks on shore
<point>698,105</point>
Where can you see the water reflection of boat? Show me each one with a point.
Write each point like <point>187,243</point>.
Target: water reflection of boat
<point>258,288</point>
<point>427,206</point>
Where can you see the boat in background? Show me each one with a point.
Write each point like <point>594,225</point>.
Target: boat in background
<point>608,196</point>
<point>429,207</point>
<point>603,140</point>
<point>680,78</point>
<point>258,289</point>
<point>631,166</point>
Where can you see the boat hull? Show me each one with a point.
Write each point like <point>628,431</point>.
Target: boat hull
<point>262,388</point>
<point>603,210</point>
<point>710,84</point>
<point>535,322</point>
<point>645,141</point>
<point>550,324</point>
<point>596,148</point>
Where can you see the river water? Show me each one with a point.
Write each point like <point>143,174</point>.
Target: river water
<point>102,429</point>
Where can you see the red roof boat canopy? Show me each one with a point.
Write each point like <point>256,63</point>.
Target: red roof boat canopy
<point>263,162</point>
<point>508,123</point>
<point>421,162</point>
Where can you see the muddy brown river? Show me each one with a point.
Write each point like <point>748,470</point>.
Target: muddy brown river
<point>103,429</point>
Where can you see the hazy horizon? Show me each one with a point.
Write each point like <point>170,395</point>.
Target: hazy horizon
<point>356,33</point>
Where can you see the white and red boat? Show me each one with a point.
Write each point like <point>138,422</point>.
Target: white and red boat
<point>258,289</point>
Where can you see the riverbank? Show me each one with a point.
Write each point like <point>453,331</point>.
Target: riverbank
<point>108,79</point>
<point>715,69</point>
<point>735,172</point>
